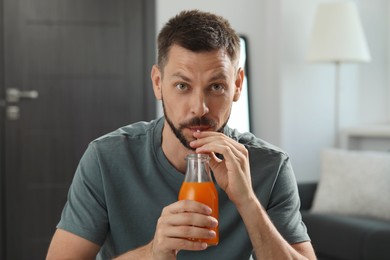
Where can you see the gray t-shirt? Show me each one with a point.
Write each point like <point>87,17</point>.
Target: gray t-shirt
<point>124,180</point>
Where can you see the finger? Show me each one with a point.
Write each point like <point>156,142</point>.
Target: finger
<point>189,232</point>
<point>212,136</point>
<point>231,150</point>
<point>210,140</point>
<point>174,244</point>
<point>193,219</point>
<point>187,206</point>
<point>189,216</point>
<point>184,244</point>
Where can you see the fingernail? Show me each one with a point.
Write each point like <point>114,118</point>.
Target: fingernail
<point>204,245</point>
<point>215,222</point>
<point>212,233</point>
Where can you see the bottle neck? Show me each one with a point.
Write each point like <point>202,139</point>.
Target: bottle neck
<point>198,169</point>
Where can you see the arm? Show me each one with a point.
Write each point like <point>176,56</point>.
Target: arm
<point>267,241</point>
<point>178,222</point>
<point>233,175</point>
<point>65,245</point>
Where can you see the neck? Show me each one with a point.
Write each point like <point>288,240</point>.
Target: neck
<point>174,149</point>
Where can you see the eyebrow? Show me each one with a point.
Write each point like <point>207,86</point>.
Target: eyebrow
<point>181,76</point>
<point>218,76</point>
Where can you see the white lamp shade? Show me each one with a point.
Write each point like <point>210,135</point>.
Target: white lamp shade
<point>338,35</point>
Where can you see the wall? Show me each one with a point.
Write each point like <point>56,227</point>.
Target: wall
<point>307,89</point>
<point>374,85</point>
<point>293,100</point>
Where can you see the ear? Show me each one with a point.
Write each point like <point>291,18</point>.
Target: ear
<point>156,80</point>
<point>238,83</point>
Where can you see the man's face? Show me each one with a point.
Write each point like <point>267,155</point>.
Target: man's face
<point>192,123</point>
<point>197,91</point>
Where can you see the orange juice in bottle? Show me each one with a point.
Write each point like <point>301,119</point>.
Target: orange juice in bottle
<point>199,186</point>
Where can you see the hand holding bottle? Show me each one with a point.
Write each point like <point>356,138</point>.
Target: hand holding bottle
<point>178,222</point>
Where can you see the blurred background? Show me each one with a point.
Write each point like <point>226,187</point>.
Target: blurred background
<point>76,69</point>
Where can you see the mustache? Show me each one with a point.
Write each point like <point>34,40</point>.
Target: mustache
<point>197,121</point>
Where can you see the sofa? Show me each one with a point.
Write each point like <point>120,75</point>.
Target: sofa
<point>347,210</point>
<point>344,237</point>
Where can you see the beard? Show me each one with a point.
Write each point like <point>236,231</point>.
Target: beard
<point>193,122</point>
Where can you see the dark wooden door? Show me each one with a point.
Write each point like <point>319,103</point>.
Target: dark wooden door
<point>89,62</point>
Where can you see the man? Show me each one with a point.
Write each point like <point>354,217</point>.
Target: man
<point>123,199</point>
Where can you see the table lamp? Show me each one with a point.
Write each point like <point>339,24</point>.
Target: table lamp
<point>338,36</point>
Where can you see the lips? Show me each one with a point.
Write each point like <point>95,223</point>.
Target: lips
<point>199,128</point>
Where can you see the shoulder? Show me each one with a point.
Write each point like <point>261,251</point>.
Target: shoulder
<point>138,131</point>
<point>133,130</point>
<point>256,146</point>
<point>133,138</point>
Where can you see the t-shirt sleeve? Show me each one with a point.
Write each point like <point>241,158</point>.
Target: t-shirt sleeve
<point>284,204</point>
<point>85,211</point>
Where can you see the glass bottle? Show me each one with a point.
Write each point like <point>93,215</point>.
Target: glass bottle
<point>199,186</point>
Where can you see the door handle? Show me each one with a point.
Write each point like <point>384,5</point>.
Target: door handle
<point>13,95</point>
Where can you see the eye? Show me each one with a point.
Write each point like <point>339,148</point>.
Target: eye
<point>181,87</point>
<point>217,88</point>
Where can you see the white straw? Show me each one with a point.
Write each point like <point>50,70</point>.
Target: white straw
<point>199,164</point>
<point>199,169</point>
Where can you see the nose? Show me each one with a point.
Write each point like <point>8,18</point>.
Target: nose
<point>199,105</point>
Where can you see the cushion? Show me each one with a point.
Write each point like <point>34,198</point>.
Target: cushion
<point>354,183</point>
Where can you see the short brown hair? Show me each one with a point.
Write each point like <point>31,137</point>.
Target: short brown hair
<point>198,31</point>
